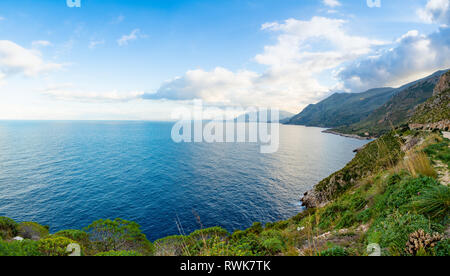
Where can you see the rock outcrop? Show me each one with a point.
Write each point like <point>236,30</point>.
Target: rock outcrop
<point>374,157</point>
<point>443,84</point>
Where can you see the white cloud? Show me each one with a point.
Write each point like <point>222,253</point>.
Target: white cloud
<point>413,56</point>
<point>332,3</point>
<point>436,11</point>
<point>15,59</point>
<point>94,43</point>
<point>125,39</point>
<point>41,43</point>
<point>118,19</point>
<point>70,93</point>
<point>289,82</point>
<point>2,18</point>
<point>374,3</point>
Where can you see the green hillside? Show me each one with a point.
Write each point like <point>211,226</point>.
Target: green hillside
<point>343,108</point>
<point>396,111</point>
<point>437,108</point>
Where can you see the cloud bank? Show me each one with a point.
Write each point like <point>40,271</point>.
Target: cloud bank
<point>292,65</point>
<point>16,60</point>
<point>436,11</point>
<point>332,3</point>
<point>70,93</point>
<point>413,56</point>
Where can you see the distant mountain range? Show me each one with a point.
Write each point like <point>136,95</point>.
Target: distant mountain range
<point>371,113</point>
<point>255,117</point>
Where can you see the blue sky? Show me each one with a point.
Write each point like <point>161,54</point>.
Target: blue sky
<point>138,60</point>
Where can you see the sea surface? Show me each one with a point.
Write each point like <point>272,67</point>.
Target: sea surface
<point>69,174</point>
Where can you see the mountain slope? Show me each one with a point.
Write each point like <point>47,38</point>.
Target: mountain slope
<point>398,110</point>
<point>343,108</point>
<point>435,112</point>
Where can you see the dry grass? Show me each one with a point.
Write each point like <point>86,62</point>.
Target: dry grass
<point>418,163</point>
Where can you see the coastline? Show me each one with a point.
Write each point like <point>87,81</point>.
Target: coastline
<point>354,136</point>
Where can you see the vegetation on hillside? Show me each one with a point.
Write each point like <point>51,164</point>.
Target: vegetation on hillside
<point>436,109</point>
<point>343,108</point>
<point>377,111</point>
<point>397,111</point>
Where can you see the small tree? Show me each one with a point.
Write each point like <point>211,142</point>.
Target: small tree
<point>118,235</point>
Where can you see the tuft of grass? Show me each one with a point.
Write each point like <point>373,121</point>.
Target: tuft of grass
<point>434,202</point>
<point>417,163</point>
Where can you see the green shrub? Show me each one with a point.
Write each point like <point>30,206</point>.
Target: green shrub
<point>249,241</point>
<point>434,202</point>
<point>273,245</point>
<point>19,248</point>
<point>118,235</point>
<point>171,246</point>
<point>279,225</point>
<point>364,216</point>
<point>336,251</point>
<point>348,219</point>
<point>238,234</point>
<point>272,241</point>
<point>54,246</point>
<point>209,233</point>
<point>301,216</point>
<point>442,249</point>
<point>32,231</point>
<point>400,195</point>
<point>256,228</point>
<point>8,228</point>
<point>80,237</point>
<point>119,254</point>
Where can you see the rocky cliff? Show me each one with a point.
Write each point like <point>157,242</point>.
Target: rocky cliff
<point>434,113</point>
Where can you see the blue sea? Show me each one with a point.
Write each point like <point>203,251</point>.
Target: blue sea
<point>69,174</point>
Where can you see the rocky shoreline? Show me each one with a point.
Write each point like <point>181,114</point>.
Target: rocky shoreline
<point>354,136</point>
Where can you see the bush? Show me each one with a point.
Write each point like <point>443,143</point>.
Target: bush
<point>19,248</point>
<point>32,231</point>
<point>273,245</point>
<point>119,254</point>
<point>348,219</point>
<point>434,202</point>
<point>171,246</point>
<point>80,237</point>
<point>249,241</point>
<point>118,235</point>
<point>55,246</point>
<point>280,225</point>
<point>272,241</point>
<point>206,234</point>
<point>8,228</point>
<point>336,251</point>
<point>442,249</point>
